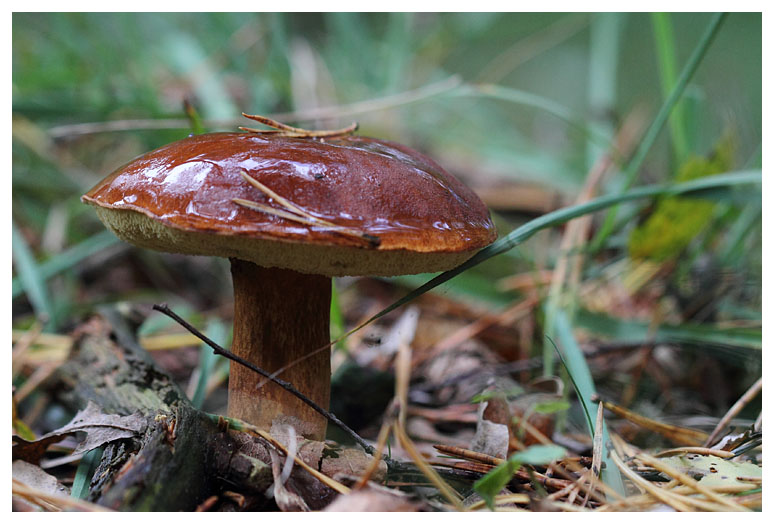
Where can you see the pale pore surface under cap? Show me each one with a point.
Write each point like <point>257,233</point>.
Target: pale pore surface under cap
<point>321,259</point>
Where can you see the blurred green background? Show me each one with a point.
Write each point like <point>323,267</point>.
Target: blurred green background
<point>513,104</point>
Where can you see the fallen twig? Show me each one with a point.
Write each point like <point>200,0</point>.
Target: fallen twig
<point>219,350</point>
<point>734,410</point>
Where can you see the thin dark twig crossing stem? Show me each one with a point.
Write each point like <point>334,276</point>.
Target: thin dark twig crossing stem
<point>219,350</point>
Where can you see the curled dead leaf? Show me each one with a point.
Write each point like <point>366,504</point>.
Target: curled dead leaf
<point>100,429</point>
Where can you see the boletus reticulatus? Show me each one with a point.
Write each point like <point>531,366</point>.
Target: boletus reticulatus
<point>292,209</point>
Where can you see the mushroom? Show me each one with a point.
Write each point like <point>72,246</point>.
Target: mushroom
<point>291,212</point>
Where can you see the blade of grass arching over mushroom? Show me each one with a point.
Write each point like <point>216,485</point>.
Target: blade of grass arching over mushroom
<point>578,371</point>
<point>635,163</point>
<point>527,230</point>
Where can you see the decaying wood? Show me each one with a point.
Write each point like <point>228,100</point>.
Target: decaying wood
<point>184,457</point>
<point>170,466</point>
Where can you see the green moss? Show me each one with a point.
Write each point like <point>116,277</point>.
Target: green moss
<point>676,221</point>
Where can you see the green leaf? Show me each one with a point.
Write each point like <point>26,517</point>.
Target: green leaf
<point>490,394</point>
<point>539,454</point>
<point>551,407</point>
<point>489,485</point>
<point>23,431</point>
<point>713,471</point>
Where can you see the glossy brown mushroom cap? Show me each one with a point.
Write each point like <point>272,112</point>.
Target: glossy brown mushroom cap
<point>178,198</point>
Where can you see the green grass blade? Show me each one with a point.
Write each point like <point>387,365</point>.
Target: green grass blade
<point>29,277</point>
<point>84,473</point>
<point>218,332</point>
<point>605,36</point>
<point>184,55</point>
<point>525,98</point>
<point>337,318</point>
<point>668,74</point>
<point>633,167</point>
<point>69,258</point>
<point>398,41</point>
<point>630,331</point>
<point>194,118</point>
<point>604,47</point>
<point>731,251</point>
<point>581,377</point>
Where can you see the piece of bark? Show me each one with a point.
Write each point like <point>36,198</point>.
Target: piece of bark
<point>108,367</point>
<point>170,471</point>
<point>167,467</point>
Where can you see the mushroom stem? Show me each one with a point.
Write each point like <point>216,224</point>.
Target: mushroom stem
<point>279,316</point>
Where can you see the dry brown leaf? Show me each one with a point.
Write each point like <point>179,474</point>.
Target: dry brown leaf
<point>100,429</point>
<point>35,477</point>
<point>374,498</point>
<point>351,462</point>
<point>286,500</point>
<point>492,438</point>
